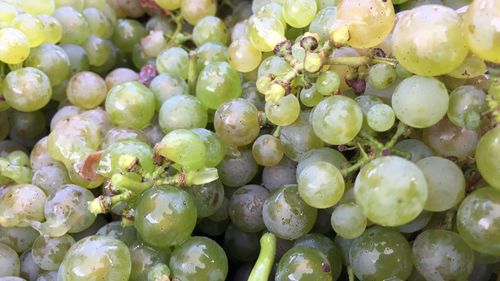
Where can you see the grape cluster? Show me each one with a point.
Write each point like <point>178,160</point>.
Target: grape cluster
<point>158,140</point>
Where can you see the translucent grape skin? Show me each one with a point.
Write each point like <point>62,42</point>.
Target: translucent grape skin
<point>488,157</point>
<point>445,48</point>
<point>243,56</point>
<point>14,46</point>
<point>32,27</point>
<point>321,184</point>
<point>391,190</point>
<point>420,101</point>
<point>194,10</point>
<point>48,252</point>
<point>184,148</point>
<point>442,255</point>
<point>21,204</point>
<point>465,106</point>
<point>238,170</point>
<point>207,197</point>
<point>482,35</point>
<point>299,137</point>
<point>86,90</point>
<point>302,262</point>
<point>236,122</point>
<point>215,148</point>
<point>284,111</point>
<point>210,29</point>
<point>380,117</point>
<point>27,89</point>
<point>182,112</point>
<point>265,32</point>
<point>299,13</point>
<point>217,83</point>
<point>379,254</point>
<point>245,207</point>
<point>267,150</point>
<point>75,26</point>
<point>348,220</point>
<point>9,261</point>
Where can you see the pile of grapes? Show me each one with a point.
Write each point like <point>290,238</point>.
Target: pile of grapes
<point>203,140</point>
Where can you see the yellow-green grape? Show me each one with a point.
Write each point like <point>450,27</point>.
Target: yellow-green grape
<point>471,67</point>
<point>283,112</point>
<point>169,4</point>
<point>75,27</point>
<point>299,13</point>
<point>32,27</point>
<point>14,46</point>
<point>367,22</point>
<point>9,262</point>
<point>348,220</point>
<point>321,184</point>
<point>265,33</point>
<point>236,122</point>
<point>99,24</point>
<point>7,13</point>
<point>21,204</point>
<point>380,117</point>
<point>243,56</point>
<point>310,97</point>
<point>27,89</point>
<point>194,10</point>
<point>210,29</point>
<point>267,150</point>
<point>37,7</point>
<point>337,120</point>
<point>86,90</point>
<point>52,28</point>
<point>445,48</point>
<point>272,9</point>
<point>323,22</point>
<point>481,29</point>
<point>466,105</point>
<point>391,190</point>
<point>488,157</point>
<point>184,148</point>
<point>420,101</point>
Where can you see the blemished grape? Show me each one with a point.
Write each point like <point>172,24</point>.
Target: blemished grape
<point>265,32</point>
<point>487,157</point>
<point>238,169</point>
<point>391,190</point>
<point>237,122</point>
<point>348,220</point>
<point>320,184</point>
<point>245,207</point>
<point>48,252</point>
<point>267,150</point>
<point>21,204</point>
<point>445,49</point>
<point>86,90</point>
<point>194,10</point>
<point>471,67</point>
<point>481,33</point>
<point>420,101</point>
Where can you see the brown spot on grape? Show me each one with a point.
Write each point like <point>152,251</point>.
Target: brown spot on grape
<point>472,28</point>
<point>325,267</point>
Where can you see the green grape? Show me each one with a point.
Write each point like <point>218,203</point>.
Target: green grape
<point>243,56</point>
<point>121,133</point>
<point>169,4</point>
<point>48,276</point>
<point>217,83</point>
<point>118,157</point>
<point>237,122</point>
<point>14,46</point>
<point>380,117</point>
<point>299,13</point>
<point>96,258</point>
<point>27,89</point>
<point>64,113</point>
<point>199,258</point>
<point>417,224</point>
<point>143,259</point>
<point>447,140</point>
<point>326,246</point>
<point>245,207</point>
<point>115,230</point>
<point>52,60</point>
<point>323,22</point>
<point>267,150</point>
<point>215,148</point>
<point>127,33</point>
<point>391,190</point>
<point>381,75</point>
<point>184,148</point>
<point>471,67</point>
<point>271,9</point>
<point>20,204</point>
<point>283,112</point>
<point>194,10</point>
<point>210,52</point>
<point>130,104</point>
<point>52,28</point>
<point>416,148</point>
<point>27,125</point>
<point>367,22</point>
<point>348,220</point>
<point>310,97</point>
<point>381,254</point>
<point>182,112</point>
<point>86,90</point>
<point>327,83</point>
<point>78,58</point>
<point>9,261</point>
<point>442,255</point>
<point>445,49</point>
<point>301,263</point>
<point>280,174</point>
<point>98,50</point>
<point>99,24</point>
<point>48,252</point>
<point>274,65</point>
<point>139,58</point>
<point>250,93</point>
<point>482,34</point>
<point>487,157</point>
<point>210,29</point>
<point>153,43</point>
<point>320,184</point>
<point>207,197</point>
<point>265,32</point>
<point>445,182</point>
<point>324,154</point>
<point>241,246</point>
<point>299,137</point>
<point>29,269</point>
<point>7,13</point>
<point>122,75</point>
<point>420,101</point>
<point>465,106</point>
<point>20,239</point>
<point>50,178</point>
<point>337,119</point>
<point>76,29</point>
<point>239,169</point>
<point>32,27</point>
<point>40,157</point>
<point>286,215</point>
<point>173,61</point>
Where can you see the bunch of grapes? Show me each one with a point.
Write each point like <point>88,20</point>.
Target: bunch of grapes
<point>158,140</point>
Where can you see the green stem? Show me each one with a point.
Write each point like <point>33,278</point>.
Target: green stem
<point>350,273</point>
<point>264,263</point>
<point>388,61</point>
<point>103,204</point>
<point>277,132</point>
<point>365,158</point>
<point>399,132</point>
<point>121,183</point>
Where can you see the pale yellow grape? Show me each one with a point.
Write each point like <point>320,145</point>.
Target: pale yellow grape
<point>37,7</point>
<point>194,10</point>
<point>7,13</point>
<point>52,28</point>
<point>32,27</point>
<point>368,21</point>
<point>169,4</point>
<point>429,40</point>
<point>265,33</point>
<point>482,29</point>
<point>243,56</point>
<point>283,112</point>
<point>299,13</point>
<point>471,67</point>
<point>271,9</point>
<point>14,46</point>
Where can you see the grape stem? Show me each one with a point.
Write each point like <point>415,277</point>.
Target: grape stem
<point>350,274</point>
<point>277,132</point>
<point>264,263</point>
<point>360,61</point>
